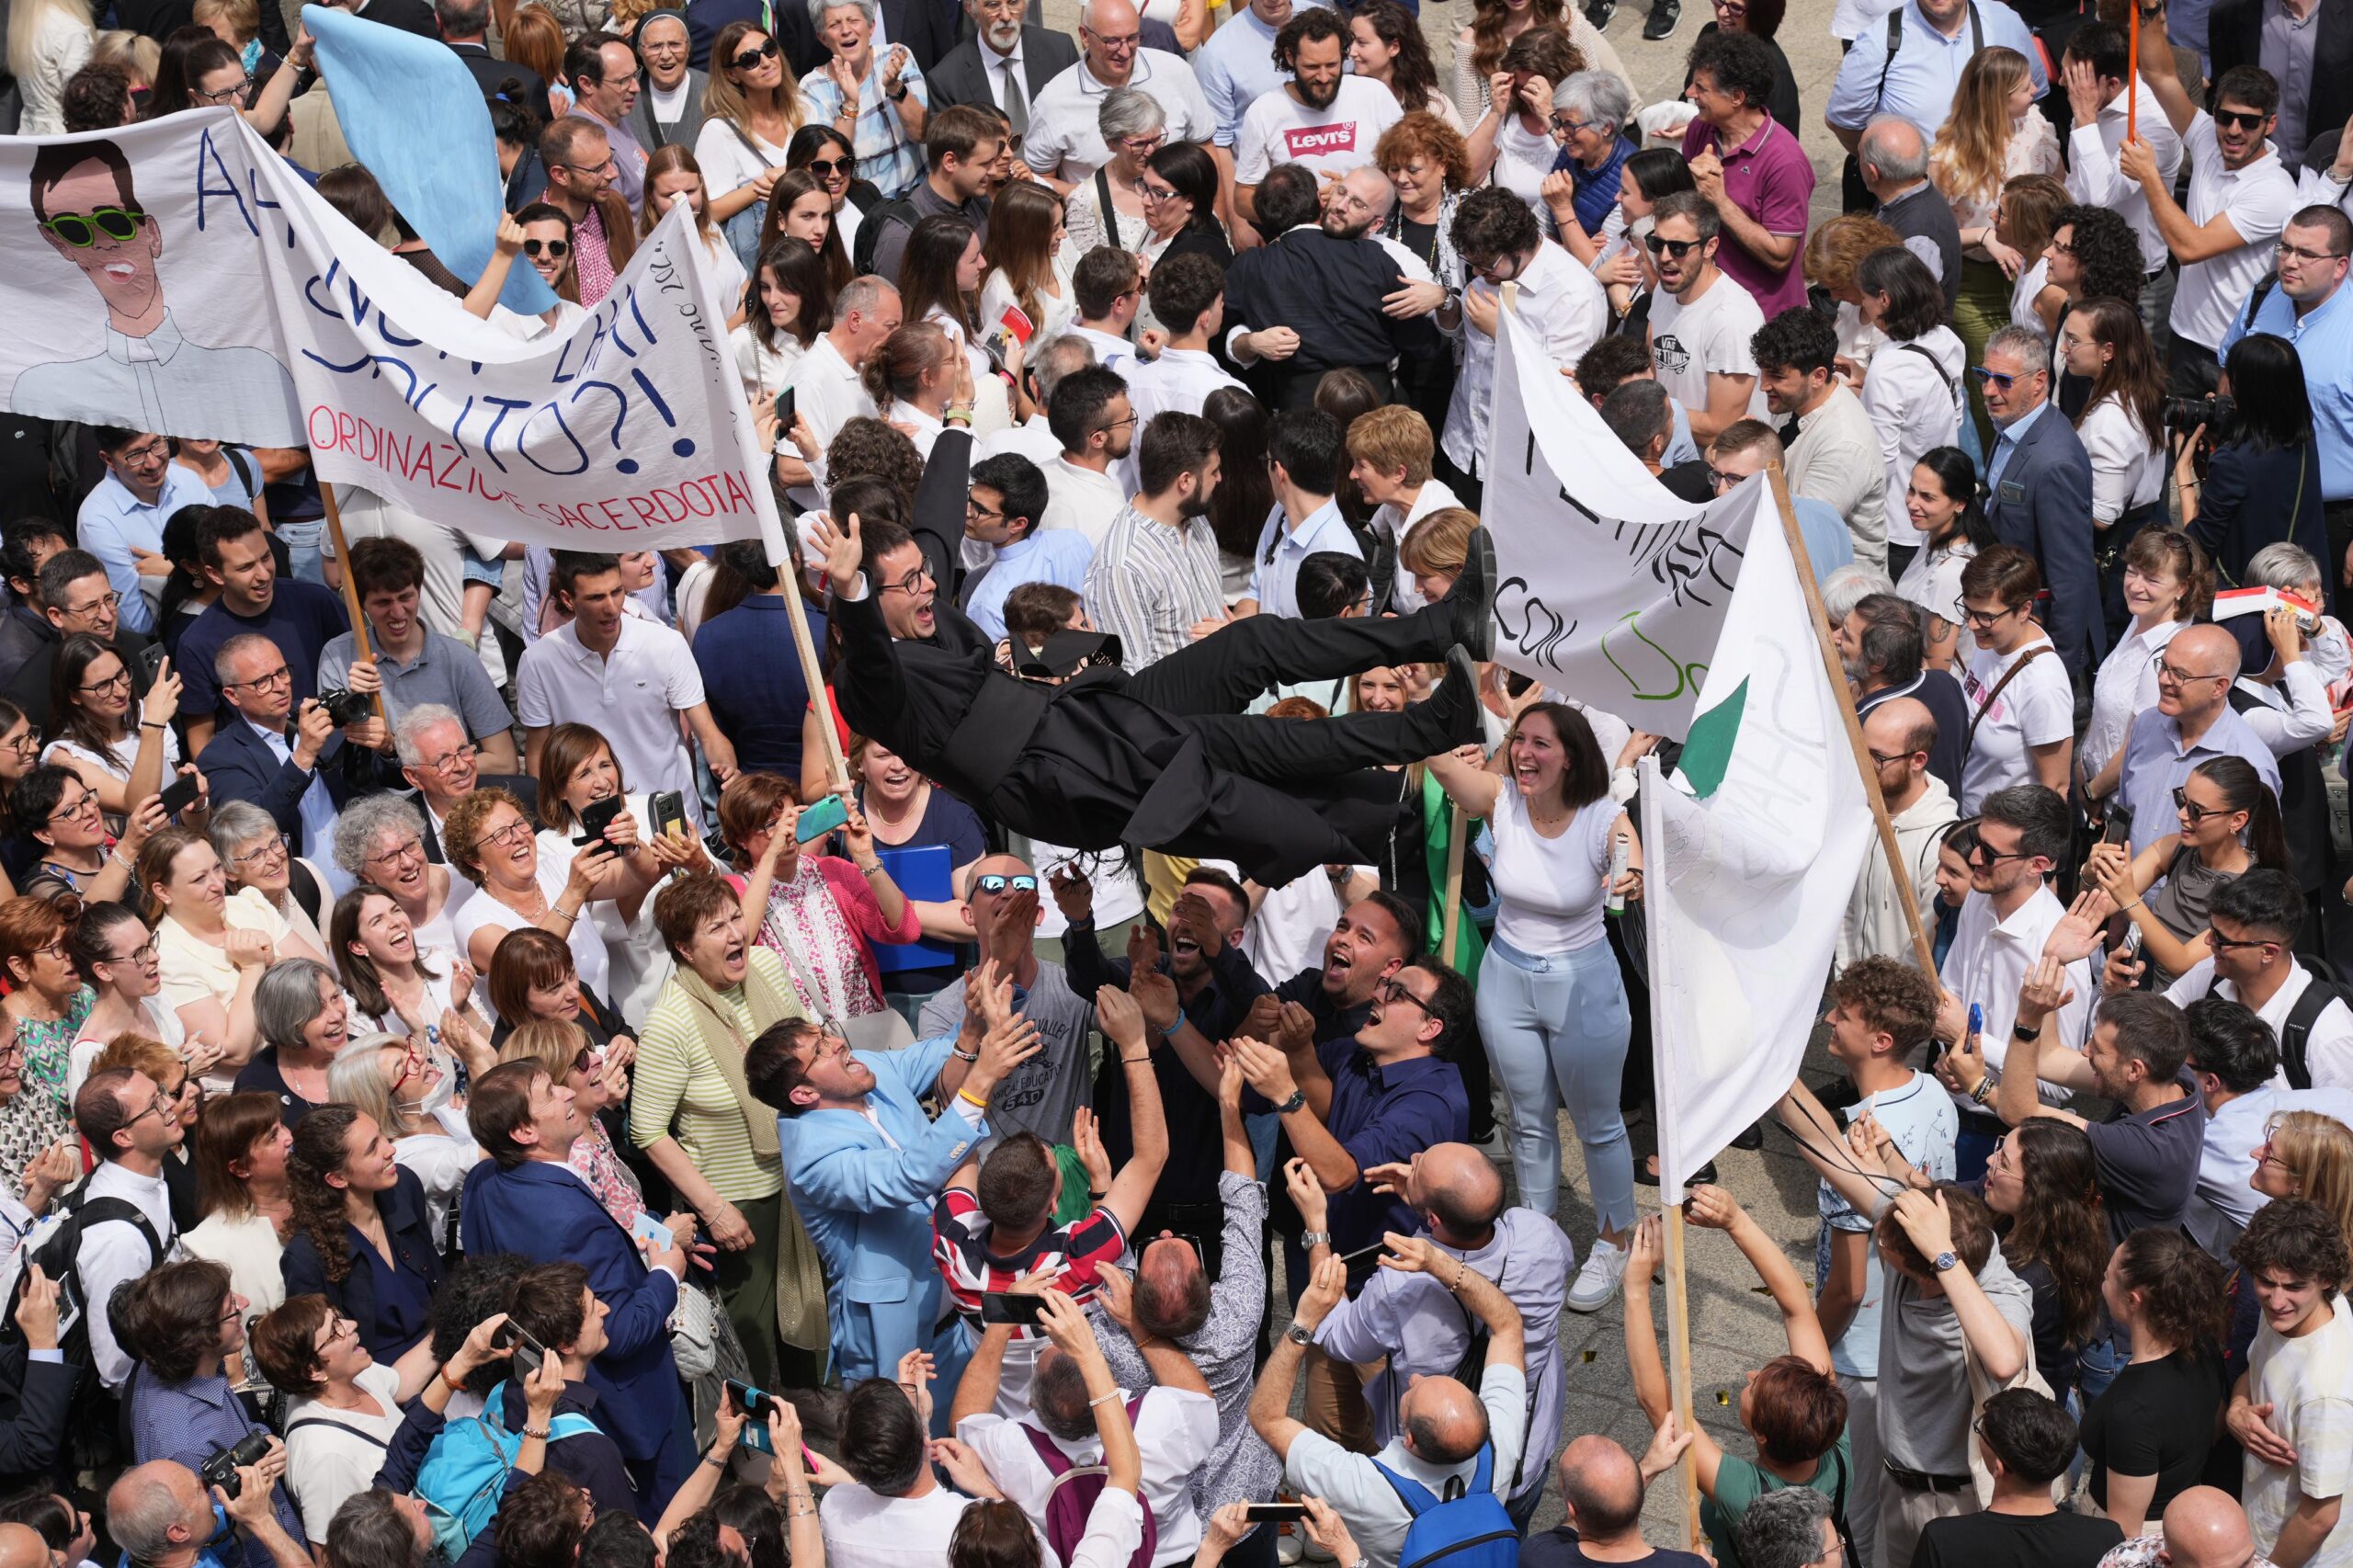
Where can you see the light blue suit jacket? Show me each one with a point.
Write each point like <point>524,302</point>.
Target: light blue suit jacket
<point>868,1206</point>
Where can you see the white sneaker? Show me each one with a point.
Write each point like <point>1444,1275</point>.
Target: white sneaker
<point>1597,1282</point>
<point>1290,1546</point>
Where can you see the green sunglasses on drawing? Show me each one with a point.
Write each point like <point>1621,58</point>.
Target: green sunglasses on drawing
<point>82,230</point>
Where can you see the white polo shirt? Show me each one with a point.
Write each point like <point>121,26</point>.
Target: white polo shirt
<point>2259,198</point>
<point>632,697</point>
<point>1081,499</point>
<point>1064,139</point>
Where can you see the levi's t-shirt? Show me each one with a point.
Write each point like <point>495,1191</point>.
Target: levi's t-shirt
<point>1332,140</point>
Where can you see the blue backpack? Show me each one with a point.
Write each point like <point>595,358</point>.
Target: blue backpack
<point>1469,1527</point>
<point>464,1472</point>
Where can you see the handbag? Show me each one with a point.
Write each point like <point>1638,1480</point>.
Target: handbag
<point>694,1333</point>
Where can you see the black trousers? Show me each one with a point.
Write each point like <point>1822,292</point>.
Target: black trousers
<point>2191,368</point>
<point>1296,389</point>
<point>1224,672</point>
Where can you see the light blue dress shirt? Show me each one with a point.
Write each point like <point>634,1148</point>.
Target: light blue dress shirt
<point>317,807</point>
<point>2323,340</point>
<point>113,521</point>
<point>2155,761</point>
<point>1058,556</point>
<point>1274,582</point>
<point>2005,445</point>
<point>1926,73</point>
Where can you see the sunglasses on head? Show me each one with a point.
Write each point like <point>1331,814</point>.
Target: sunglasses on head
<point>747,59</point>
<point>83,230</point>
<point>1678,249</point>
<point>993,883</point>
<point>554,250</point>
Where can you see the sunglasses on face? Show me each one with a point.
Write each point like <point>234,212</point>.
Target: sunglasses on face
<point>992,883</point>
<point>554,250</point>
<point>2240,119</point>
<point>749,59</point>
<point>826,168</point>
<point>1992,377</point>
<point>83,230</point>
<point>1678,249</point>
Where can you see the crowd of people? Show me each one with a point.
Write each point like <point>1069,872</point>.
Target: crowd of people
<point>485,1086</point>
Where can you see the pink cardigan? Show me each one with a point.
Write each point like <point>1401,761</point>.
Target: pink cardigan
<point>856,900</point>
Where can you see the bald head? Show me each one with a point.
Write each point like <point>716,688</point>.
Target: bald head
<point>157,1508</point>
<point>1108,33</point>
<point>2205,1527</point>
<point>1602,1486</point>
<point>2209,655</point>
<point>1172,1288</point>
<point>22,1547</point>
<point>1901,724</point>
<point>1444,1422</point>
<point>1463,1189</point>
<point>1892,152</point>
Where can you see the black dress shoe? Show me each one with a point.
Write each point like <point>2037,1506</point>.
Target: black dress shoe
<point>1664,14</point>
<point>1751,1137</point>
<point>1599,13</point>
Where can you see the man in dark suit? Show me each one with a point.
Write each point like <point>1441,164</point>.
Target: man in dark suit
<point>974,71</point>
<point>524,1199</point>
<point>2234,36</point>
<point>441,765</point>
<point>296,768</point>
<point>465,28</point>
<point>2038,491</point>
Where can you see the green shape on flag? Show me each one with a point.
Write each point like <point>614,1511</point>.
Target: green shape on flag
<point>1707,752</point>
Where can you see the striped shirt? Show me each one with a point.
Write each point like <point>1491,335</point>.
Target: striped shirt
<point>680,1092</point>
<point>961,1246</point>
<point>886,154</point>
<point>1149,583</point>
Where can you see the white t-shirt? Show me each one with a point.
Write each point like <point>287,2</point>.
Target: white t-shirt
<point>1933,582</point>
<point>1710,335</point>
<point>766,370</point>
<point>119,759</point>
<point>631,696</point>
<point>722,272</point>
<point>326,1464</point>
<point>866,1529</point>
<point>251,1251</point>
<point>484,911</point>
<point>2258,199</point>
<point>1550,888</point>
<point>2308,1382</point>
<point>726,162</point>
<point>2037,707</point>
<point>1332,140</point>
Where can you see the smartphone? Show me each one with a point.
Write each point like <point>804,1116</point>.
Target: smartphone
<point>180,794</point>
<point>784,405</point>
<point>1274,1513</point>
<point>2119,829</point>
<point>1003,1306</point>
<point>596,817</point>
<point>1976,1020</point>
<point>2133,942</point>
<point>755,1406</point>
<point>150,664</point>
<point>821,819</point>
<point>668,809</point>
<point>528,1352</point>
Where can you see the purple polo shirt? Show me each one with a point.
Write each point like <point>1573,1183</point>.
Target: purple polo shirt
<point>1769,178</point>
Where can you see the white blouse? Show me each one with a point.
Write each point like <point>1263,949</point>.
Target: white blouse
<point>726,163</point>
<point>2032,149</point>
<point>2125,683</point>
<point>765,370</point>
<point>1059,309</point>
<point>1932,581</point>
<point>2127,468</point>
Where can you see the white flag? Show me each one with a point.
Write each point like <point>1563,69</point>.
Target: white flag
<point>1610,586</point>
<point>1751,850</point>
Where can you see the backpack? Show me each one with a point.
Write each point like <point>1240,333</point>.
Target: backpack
<point>464,1472</point>
<point>1076,1486</point>
<point>2295,1034</point>
<point>869,233</point>
<point>1469,1527</point>
<point>54,1244</point>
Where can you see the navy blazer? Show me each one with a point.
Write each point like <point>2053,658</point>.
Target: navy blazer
<point>545,1213</point>
<point>387,1328</point>
<point>238,765</point>
<point>2044,506</point>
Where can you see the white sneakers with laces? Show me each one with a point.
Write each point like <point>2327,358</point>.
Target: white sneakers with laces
<point>1597,1282</point>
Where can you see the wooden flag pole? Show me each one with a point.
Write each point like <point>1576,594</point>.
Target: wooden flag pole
<point>1457,829</point>
<point>1922,951</point>
<point>359,652</point>
<point>789,573</point>
<point>1678,1370</point>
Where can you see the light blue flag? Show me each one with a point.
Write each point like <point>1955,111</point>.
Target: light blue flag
<point>415,117</point>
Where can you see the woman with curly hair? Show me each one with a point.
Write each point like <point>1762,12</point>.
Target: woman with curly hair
<point>2093,256</point>
<point>2147,1436</point>
<point>361,1238</point>
<point>1386,45</point>
<point>1992,134</point>
<point>1496,24</point>
<point>1428,162</point>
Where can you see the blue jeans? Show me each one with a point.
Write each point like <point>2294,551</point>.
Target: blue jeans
<point>302,543</point>
<point>1556,1030</point>
<point>2098,1363</point>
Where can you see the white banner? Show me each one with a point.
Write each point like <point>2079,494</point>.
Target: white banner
<point>179,276</point>
<point>1751,851</point>
<point>1611,587</point>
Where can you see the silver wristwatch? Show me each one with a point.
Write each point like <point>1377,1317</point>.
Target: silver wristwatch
<point>1313,1239</point>
<point>1299,1333</point>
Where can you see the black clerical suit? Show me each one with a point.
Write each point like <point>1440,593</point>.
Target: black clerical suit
<point>1160,758</point>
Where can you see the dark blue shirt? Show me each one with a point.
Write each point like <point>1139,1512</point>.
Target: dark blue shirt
<point>302,616</point>
<point>751,680</point>
<point>391,1302</point>
<point>1596,188</point>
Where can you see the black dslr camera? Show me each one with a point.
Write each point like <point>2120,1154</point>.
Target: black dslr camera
<point>347,708</point>
<point>222,1469</point>
<point>2185,414</point>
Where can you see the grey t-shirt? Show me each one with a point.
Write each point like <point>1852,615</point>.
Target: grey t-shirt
<point>1923,1384</point>
<point>1044,1091</point>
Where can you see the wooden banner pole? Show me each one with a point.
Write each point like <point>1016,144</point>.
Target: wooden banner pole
<point>1678,1370</point>
<point>361,651</point>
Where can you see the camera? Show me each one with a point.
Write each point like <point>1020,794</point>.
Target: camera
<point>222,1469</point>
<point>2186,414</point>
<point>347,708</point>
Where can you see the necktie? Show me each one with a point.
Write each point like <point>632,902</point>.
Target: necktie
<point>1017,104</point>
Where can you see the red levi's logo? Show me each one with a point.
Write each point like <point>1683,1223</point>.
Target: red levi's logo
<point>1320,141</point>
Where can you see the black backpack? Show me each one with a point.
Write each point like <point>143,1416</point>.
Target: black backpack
<point>55,1246</point>
<point>869,233</point>
<point>2295,1035</point>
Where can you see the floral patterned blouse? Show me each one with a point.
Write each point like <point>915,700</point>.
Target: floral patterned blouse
<point>49,1047</point>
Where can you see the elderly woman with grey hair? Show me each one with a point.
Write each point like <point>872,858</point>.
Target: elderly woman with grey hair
<point>255,852</point>
<point>1133,126</point>
<point>1792,1527</point>
<point>302,1019</point>
<point>380,839</point>
<point>879,102</point>
<point>1589,111</point>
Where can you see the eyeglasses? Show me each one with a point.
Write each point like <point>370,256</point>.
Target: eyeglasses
<point>1983,854</point>
<point>1569,124</point>
<point>262,854</point>
<point>413,849</point>
<point>1889,759</point>
<point>87,804</point>
<point>1730,10</point>
<point>2240,118</point>
<point>1143,146</point>
<point>2301,254</point>
<point>83,230</point>
<point>157,453</point>
<point>225,96</point>
<point>554,250</point>
<point>25,744</point>
<point>608,167</point>
<point>281,674</point>
<point>514,833</point>
<point>1678,249</point>
<point>160,1106</point>
<point>1117,424</point>
<point>452,761</point>
<point>1393,990</point>
<point>51,950</point>
<point>1158,192</point>
<point>340,1329</point>
<point>2167,671</point>
<point>106,601</point>
<point>2215,940</point>
<point>749,59</point>
<point>1128,40</point>
<point>1721,480</point>
<point>913,583</point>
<point>1979,619</point>
<point>119,680</point>
<point>142,955</point>
<point>975,512</point>
<point>992,883</point>
<point>2001,379</point>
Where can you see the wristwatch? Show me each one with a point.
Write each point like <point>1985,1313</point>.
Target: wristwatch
<point>2026,1031</point>
<point>1299,1333</point>
<point>1315,1239</point>
<point>1944,1262</point>
<point>1298,1099</point>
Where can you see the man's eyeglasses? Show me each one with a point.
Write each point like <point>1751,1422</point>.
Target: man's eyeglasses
<point>1721,480</point>
<point>1890,758</point>
<point>1992,377</point>
<point>992,883</point>
<point>1125,42</point>
<point>608,167</point>
<point>554,250</point>
<point>914,582</point>
<point>2169,672</point>
<point>111,600</point>
<point>83,230</point>
<point>160,1106</point>
<point>156,452</point>
<point>749,59</point>
<point>2301,254</point>
<point>1730,10</point>
<point>1678,249</point>
<point>280,675</point>
<point>1393,990</point>
<point>450,762</point>
<point>2240,118</point>
<point>1983,854</point>
<point>977,513</point>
